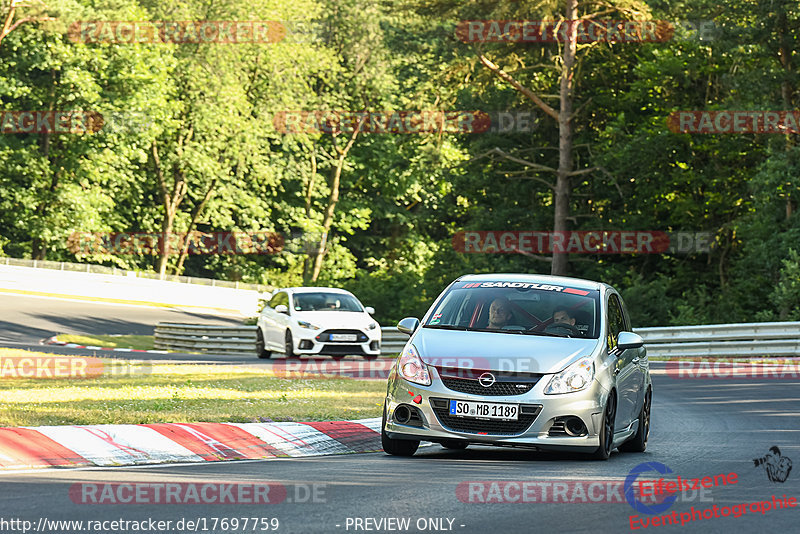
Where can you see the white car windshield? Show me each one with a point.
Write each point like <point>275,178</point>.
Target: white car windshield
<point>519,308</point>
<point>326,302</point>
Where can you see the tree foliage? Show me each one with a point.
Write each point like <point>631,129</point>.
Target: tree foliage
<point>189,144</point>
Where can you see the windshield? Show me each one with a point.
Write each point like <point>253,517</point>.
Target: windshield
<point>326,302</point>
<point>519,308</point>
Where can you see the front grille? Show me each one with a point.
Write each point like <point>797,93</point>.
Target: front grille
<point>528,414</point>
<point>325,336</point>
<point>506,384</point>
<point>473,387</point>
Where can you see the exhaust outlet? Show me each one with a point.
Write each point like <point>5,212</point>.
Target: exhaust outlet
<point>402,414</point>
<point>573,426</point>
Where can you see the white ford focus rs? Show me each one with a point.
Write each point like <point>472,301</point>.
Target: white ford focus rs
<point>315,321</point>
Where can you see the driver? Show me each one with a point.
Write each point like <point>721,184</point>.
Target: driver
<point>562,315</point>
<point>499,313</point>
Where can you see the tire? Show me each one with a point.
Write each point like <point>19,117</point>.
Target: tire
<point>607,430</point>
<point>261,350</point>
<point>638,443</point>
<point>455,445</point>
<point>396,447</point>
<point>288,346</point>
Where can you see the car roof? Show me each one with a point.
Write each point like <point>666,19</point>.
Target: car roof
<point>578,283</point>
<point>296,290</point>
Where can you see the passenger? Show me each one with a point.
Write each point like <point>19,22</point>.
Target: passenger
<point>562,315</point>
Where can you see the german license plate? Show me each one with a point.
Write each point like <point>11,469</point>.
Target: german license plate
<point>343,337</point>
<point>484,410</point>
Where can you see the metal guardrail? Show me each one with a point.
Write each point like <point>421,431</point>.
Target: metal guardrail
<point>721,332</point>
<point>724,340</point>
<point>392,340</point>
<point>102,269</point>
<point>720,340</point>
<point>228,340</point>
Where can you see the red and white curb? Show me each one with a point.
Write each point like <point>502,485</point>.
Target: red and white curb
<point>121,445</point>
<point>54,341</point>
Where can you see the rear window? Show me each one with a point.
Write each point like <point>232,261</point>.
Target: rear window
<point>519,307</point>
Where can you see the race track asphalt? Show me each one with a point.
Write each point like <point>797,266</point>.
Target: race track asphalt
<point>700,428</point>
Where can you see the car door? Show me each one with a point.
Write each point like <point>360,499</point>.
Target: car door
<point>640,365</point>
<point>624,367</point>
<point>273,326</point>
<point>282,319</point>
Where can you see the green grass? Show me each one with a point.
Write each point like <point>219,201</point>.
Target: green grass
<point>182,393</point>
<point>114,342</point>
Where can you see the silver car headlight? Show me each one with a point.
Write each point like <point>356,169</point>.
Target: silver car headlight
<point>372,326</point>
<point>576,377</point>
<point>411,367</point>
<point>308,325</point>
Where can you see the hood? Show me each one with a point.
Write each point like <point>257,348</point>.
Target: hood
<point>335,319</point>
<point>500,352</point>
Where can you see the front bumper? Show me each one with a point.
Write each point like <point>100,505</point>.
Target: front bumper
<point>543,411</point>
<point>306,342</point>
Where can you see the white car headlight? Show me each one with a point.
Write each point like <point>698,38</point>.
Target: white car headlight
<point>411,367</point>
<point>308,325</point>
<point>574,378</point>
<point>372,326</point>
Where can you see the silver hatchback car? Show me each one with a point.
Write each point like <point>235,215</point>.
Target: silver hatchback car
<point>536,361</point>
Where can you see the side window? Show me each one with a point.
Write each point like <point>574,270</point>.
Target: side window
<point>280,298</point>
<point>626,325</point>
<point>616,321</point>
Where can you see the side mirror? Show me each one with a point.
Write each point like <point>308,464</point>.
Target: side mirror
<point>370,310</point>
<point>629,340</point>
<point>281,308</point>
<point>408,325</point>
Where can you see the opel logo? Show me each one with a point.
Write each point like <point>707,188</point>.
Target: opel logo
<point>486,380</point>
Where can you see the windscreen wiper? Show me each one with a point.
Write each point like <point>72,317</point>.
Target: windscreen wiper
<point>549,334</point>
